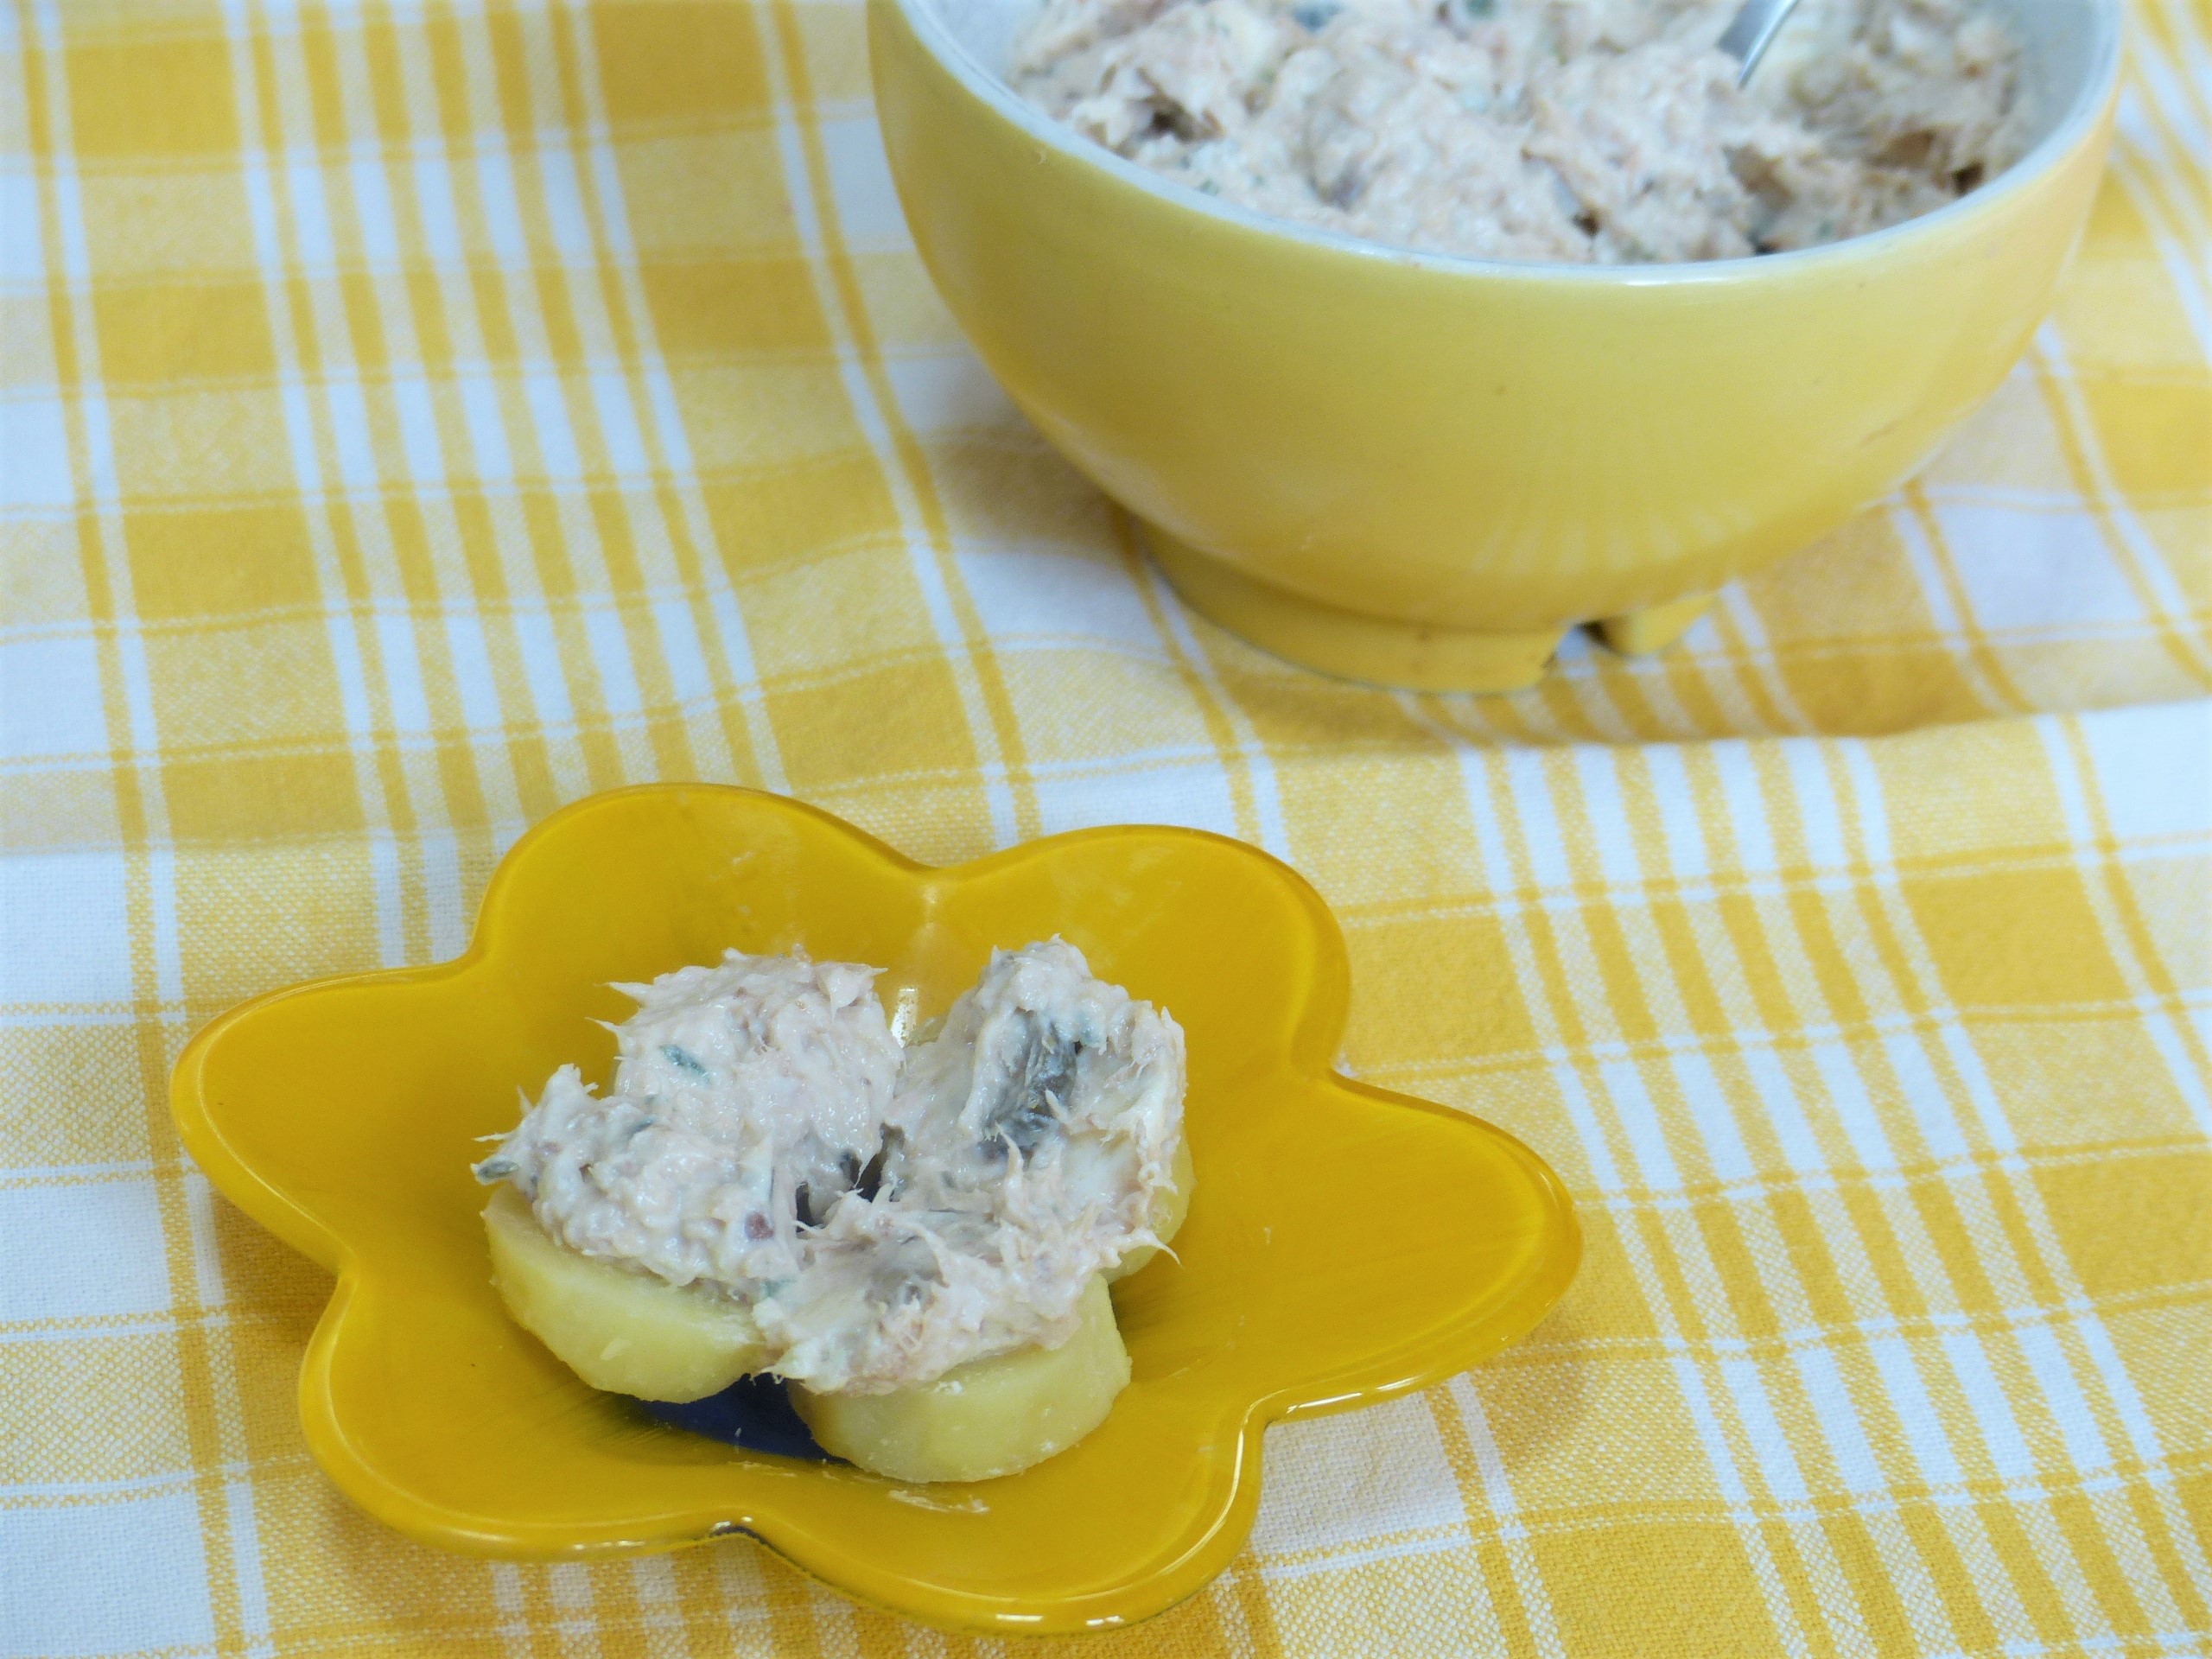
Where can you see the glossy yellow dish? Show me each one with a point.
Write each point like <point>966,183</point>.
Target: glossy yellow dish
<point>341,1115</point>
<point>1420,469</point>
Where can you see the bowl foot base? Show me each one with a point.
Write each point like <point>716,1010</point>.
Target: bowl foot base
<point>1354,645</point>
<point>1655,627</point>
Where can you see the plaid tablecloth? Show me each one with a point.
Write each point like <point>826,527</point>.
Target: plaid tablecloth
<point>413,416</point>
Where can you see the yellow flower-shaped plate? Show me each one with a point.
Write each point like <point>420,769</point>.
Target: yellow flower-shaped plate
<point>1346,1244</point>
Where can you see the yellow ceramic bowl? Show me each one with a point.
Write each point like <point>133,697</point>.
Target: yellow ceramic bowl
<point>1422,470</point>
<point>1344,1244</point>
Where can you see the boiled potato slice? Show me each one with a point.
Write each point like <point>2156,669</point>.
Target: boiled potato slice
<point>986,1418</point>
<point>1169,1206</point>
<point>622,1331</point>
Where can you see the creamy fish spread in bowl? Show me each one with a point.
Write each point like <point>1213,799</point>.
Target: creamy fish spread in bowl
<point>1611,131</point>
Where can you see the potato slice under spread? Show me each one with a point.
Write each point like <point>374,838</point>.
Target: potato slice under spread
<point>986,1418</point>
<point>1170,1204</point>
<point>619,1330</point>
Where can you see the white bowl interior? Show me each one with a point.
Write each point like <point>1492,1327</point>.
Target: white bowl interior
<point>2070,48</point>
<point>984,28</point>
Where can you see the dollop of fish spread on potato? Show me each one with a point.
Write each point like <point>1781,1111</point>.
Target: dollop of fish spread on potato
<point>885,1214</point>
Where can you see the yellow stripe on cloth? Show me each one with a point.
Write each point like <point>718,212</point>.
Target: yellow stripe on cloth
<point>415,417</point>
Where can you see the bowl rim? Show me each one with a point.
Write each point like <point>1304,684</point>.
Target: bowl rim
<point>2099,92</point>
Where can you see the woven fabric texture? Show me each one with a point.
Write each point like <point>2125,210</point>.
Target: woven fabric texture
<point>415,417</point>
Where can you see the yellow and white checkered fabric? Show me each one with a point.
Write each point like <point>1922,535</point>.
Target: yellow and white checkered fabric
<point>414,413</point>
